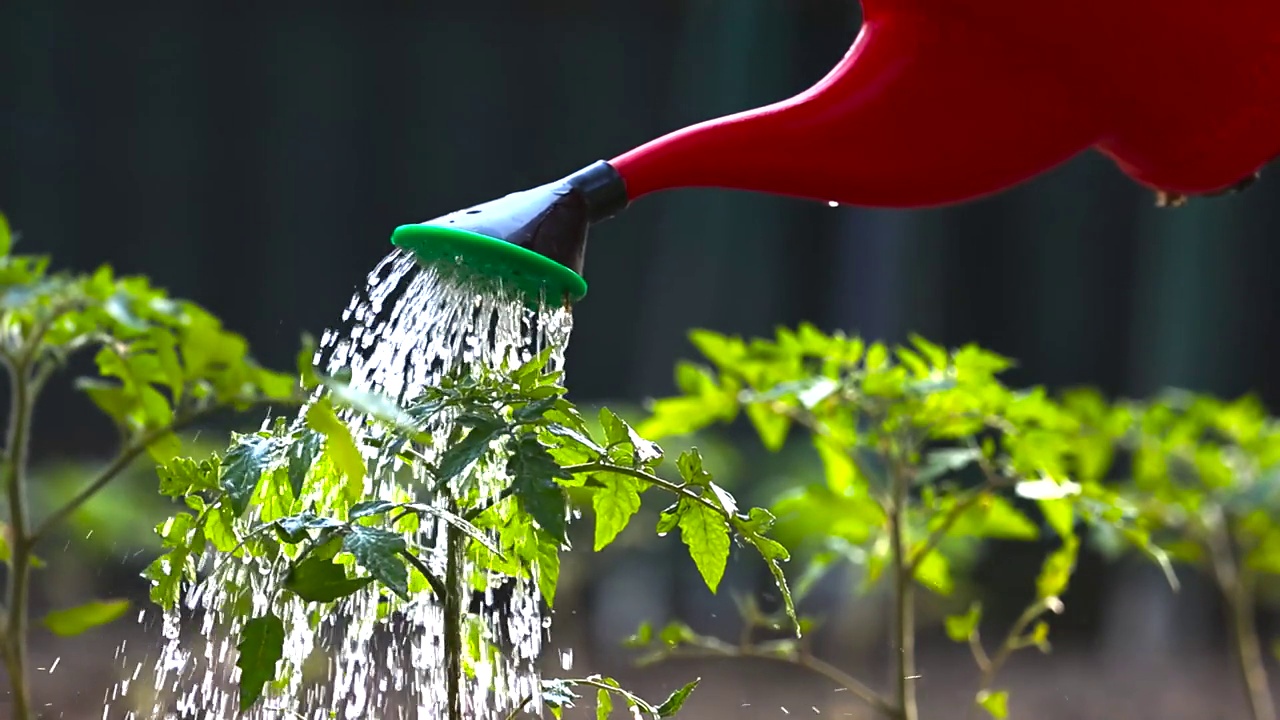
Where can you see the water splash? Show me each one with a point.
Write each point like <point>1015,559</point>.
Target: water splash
<point>401,334</point>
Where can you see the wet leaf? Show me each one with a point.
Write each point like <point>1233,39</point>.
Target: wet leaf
<point>302,455</point>
<point>322,581</point>
<point>77,620</point>
<point>378,551</point>
<point>243,466</point>
<point>261,647</point>
<point>340,446</point>
<point>534,474</point>
<point>673,704</point>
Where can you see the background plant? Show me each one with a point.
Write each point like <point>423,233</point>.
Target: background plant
<point>925,452</point>
<point>1204,474</point>
<point>162,365</point>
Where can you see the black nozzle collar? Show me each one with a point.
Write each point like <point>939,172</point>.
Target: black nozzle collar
<point>551,220</point>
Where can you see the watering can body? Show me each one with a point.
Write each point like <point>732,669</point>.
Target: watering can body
<point>943,101</point>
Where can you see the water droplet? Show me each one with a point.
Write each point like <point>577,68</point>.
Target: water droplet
<point>833,204</point>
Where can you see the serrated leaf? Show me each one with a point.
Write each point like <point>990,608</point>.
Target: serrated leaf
<point>458,458</point>
<point>378,551</point>
<point>690,465</point>
<point>322,581</point>
<point>74,621</point>
<point>673,704</point>
<point>705,533</point>
<point>293,529</point>
<point>995,703</point>
<point>302,455</point>
<point>261,647</point>
<point>243,466</point>
<point>534,472</point>
<point>615,502</point>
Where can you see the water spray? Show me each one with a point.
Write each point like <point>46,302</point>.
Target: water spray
<point>937,102</point>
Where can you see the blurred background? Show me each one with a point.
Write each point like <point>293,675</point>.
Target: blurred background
<point>255,158</point>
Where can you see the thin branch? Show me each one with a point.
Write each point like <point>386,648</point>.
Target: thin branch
<point>711,648</point>
<point>123,459</point>
<point>652,479</point>
<point>1013,641</point>
<point>992,482</point>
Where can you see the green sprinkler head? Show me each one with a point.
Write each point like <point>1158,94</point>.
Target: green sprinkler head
<point>535,240</point>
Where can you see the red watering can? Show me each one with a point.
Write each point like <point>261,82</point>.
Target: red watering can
<point>944,101</point>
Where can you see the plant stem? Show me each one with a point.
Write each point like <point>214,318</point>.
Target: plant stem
<point>1236,585</point>
<point>903,601</point>
<point>1013,641</point>
<point>15,635</point>
<point>453,610</point>
<point>652,479</point>
<point>712,648</point>
<point>119,464</point>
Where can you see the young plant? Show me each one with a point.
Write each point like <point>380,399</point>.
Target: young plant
<point>304,502</point>
<point>163,365</point>
<point>1205,475</point>
<point>925,453</point>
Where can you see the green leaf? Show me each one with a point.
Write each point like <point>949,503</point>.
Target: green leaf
<point>673,704</point>
<point>339,445</point>
<point>615,502</point>
<point>378,551</point>
<point>6,236</point>
<point>991,516</point>
<point>302,455</point>
<point>458,458</point>
<point>293,529</point>
<point>706,534</point>
<point>961,627</point>
<point>995,703</point>
<point>534,472</point>
<point>75,621</point>
<point>370,508</point>
<point>261,647</point>
<point>1055,572</point>
<point>690,466</point>
<point>322,581</point>
<point>934,572</point>
<point>604,704</point>
<point>770,425</point>
<point>371,404</point>
<point>243,466</point>
<point>183,476</point>
<point>547,561</point>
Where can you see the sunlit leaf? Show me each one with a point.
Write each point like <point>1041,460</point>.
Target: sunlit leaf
<point>673,704</point>
<point>996,703</point>
<point>706,534</point>
<point>534,474</point>
<point>615,502</point>
<point>77,620</point>
<point>961,627</point>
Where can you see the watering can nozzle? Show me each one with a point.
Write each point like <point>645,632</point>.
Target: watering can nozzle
<point>535,239</point>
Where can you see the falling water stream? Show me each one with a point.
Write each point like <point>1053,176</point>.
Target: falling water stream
<point>401,333</point>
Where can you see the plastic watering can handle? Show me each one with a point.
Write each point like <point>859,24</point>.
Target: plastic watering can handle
<point>943,101</point>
